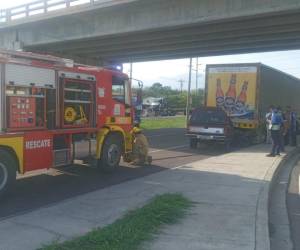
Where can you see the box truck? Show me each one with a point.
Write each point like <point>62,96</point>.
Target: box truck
<point>237,98</point>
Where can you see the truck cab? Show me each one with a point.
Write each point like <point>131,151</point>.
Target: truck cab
<point>209,124</point>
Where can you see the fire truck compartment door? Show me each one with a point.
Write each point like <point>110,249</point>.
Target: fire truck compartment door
<point>37,150</point>
<point>24,75</point>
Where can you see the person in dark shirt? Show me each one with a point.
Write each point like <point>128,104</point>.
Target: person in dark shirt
<point>276,124</point>
<point>291,130</point>
<point>282,130</point>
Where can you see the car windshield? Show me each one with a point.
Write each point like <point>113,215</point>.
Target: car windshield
<point>208,117</point>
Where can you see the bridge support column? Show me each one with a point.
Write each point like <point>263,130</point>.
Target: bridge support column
<point>17,45</point>
<point>9,39</point>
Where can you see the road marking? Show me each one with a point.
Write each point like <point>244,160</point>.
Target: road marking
<point>165,149</point>
<point>180,166</point>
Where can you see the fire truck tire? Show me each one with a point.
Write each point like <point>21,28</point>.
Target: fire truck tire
<point>111,154</point>
<point>7,171</point>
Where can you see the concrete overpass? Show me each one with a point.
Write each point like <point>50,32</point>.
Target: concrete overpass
<point>137,30</point>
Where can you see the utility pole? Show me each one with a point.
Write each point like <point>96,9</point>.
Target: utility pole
<point>189,91</point>
<point>196,76</point>
<point>130,70</point>
<point>181,85</point>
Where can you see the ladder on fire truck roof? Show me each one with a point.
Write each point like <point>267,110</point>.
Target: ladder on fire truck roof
<point>11,55</point>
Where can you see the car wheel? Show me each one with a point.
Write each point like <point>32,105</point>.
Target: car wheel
<point>227,146</point>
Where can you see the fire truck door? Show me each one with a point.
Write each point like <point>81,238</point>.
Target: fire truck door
<point>37,150</point>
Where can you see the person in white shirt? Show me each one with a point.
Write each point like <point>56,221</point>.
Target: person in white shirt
<point>268,125</point>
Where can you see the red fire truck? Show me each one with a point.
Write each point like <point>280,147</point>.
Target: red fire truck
<point>49,104</point>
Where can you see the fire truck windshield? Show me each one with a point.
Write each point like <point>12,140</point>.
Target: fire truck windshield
<point>121,90</point>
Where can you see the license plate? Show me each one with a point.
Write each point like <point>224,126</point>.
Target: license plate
<point>205,137</point>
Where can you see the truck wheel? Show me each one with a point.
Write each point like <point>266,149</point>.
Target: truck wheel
<point>7,172</point>
<point>193,143</point>
<point>111,154</point>
<point>227,146</point>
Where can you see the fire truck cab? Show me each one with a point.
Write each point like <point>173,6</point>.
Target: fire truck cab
<point>50,106</point>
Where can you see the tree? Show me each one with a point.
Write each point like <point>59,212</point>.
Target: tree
<point>197,98</point>
<point>175,99</point>
<point>158,90</point>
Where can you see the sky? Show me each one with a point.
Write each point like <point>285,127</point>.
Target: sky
<point>170,72</point>
<point>12,3</point>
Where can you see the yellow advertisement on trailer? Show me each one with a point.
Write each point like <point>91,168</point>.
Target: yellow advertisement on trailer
<point>232,88</point>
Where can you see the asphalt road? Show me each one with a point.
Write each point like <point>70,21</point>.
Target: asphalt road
<point>169,148</point>
<point>293,203</point>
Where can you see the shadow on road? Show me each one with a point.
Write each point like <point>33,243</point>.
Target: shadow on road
<point>55,185</point>
<point>224,204</point>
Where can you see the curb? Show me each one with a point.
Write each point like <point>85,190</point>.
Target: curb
<point>262,238</point>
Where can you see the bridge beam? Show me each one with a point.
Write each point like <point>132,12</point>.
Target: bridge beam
<point>137,29</point>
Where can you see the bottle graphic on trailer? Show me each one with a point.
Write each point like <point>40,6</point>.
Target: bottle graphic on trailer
<point>231,94</point>
<point>219,94</point>
<point>242,98</point>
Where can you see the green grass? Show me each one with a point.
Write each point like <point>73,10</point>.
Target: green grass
<point>129,232</point>
<point>163,122</point>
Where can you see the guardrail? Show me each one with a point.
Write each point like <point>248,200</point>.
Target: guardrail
<point>41,7</point>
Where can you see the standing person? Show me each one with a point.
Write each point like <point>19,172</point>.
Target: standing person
<point>291,133</point>
<point>268,125</point>
<point>288,125</point>
<point>283,129</point>
<point>276,124</point>
<point>293,129</point>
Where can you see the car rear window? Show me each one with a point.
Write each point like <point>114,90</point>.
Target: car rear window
<point>208,117</point>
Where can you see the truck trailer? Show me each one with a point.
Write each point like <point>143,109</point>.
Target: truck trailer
<point>237,98</point>
<point>50,104</point>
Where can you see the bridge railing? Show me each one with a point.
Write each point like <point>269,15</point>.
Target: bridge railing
<point>40,7</point>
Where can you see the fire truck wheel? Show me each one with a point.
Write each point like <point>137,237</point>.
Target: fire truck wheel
<point>111,154</point>
<point>7,171</point>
